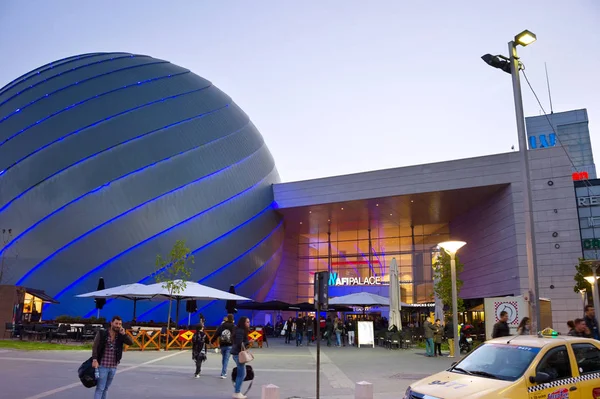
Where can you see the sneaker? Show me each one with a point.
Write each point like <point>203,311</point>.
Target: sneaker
<point>450,356</point>
<point>196,375</point>
<point>239,396</point>
<point>223,377</point>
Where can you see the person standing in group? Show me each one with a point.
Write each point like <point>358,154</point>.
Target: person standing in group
<point>106,354</point>
<point>592,322</point>
<point>350,329</point>
<point>501,328</point>
<point>437,338</point>
<point>199,342</point>
<point>429,331</point>
<point>581,329</point>
<point>524,327</point>
<point>240,341</point>
<point>310,323</point>
<point>299,330</point>
<point>291,330</point>
<point>449,333</point>
<point>338,328</point>
<point>225,336</point>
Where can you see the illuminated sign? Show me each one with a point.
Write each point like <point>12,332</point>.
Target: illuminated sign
<point>591,243</point>
<point>334,279</point>
<point>580,176</point>
<point>549,141</point>
<point>588,201</point>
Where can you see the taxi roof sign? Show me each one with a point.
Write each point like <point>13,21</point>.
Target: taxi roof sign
<point>548,332</point>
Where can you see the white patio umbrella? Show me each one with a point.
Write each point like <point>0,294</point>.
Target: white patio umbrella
<point>133,292</point>
<point>193,290</point>
<point>363,299</point>
<point>394,317</point>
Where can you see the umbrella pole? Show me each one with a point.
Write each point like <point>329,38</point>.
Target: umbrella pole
<point>177,313</point>
<point>98,314</point>
<point>134,305</point>
<point>189,319</point>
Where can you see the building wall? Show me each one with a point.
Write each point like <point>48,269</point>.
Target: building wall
<point>286,281</point>
<point>490,256</point>
<point>106,159</point>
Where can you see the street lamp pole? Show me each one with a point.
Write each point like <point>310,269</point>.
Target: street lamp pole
<point>451,247</point>
<point>534,299</point>
<point>593,280</point>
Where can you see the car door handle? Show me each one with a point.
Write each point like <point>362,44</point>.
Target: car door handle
<point>573,389</point>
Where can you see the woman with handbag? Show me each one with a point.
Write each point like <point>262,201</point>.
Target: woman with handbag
<point>240,355</point>
<point>199,346</point>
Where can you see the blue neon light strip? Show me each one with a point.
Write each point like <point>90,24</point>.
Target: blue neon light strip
<point>107,149</point>
<point>238,284</point>
<point>366,258</point>
<point>381,267</point>
<point>106,263</point>
<point>49,67</point>
<point>65,72</point>
<point>222,267</point>
<point>18,110</point>
<point>127,212</point>
<point>17,238</point>
<point>222,236</point>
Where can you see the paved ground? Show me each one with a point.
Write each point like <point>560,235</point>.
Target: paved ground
<point>52,374</point>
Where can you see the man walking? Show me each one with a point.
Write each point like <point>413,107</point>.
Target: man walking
<point>449,333</point>
<point>501,329</point>
<point>106,354</point>
<point>592,322</point>
<point>225,336</point>
<point>429,331</point>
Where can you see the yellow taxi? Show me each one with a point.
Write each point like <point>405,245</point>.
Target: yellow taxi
<point>547,366</point>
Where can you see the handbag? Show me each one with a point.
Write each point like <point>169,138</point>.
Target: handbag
<point>245,356</point>
<point>86,374</point>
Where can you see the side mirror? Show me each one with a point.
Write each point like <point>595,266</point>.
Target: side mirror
<point>540,378</point>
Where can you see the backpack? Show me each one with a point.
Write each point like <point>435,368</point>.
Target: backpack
<point>249,376</point>
<point>86,374</point>
<point>225,337</point>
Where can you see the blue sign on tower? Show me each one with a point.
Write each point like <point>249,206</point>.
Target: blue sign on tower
<point>549,141</point>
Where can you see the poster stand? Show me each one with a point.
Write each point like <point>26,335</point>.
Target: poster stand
<point>366,334</point>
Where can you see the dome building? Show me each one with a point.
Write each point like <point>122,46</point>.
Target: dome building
<point>106,159</point>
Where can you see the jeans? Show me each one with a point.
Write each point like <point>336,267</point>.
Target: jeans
<point>241,373</point>
<point>438,349</point>
<point>350,337</point>
<point>429,346</point>
<point>106,377</point>
<point>225,352</point>
<point>451,345</point>
<point>338,338</point>
<point>309,336</point>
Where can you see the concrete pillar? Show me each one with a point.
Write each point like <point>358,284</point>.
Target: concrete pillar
<point>363,390</point>
<point>270,392</point>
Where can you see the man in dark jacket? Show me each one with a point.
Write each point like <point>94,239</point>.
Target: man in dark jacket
<point>449,333</point>
<point>225,336</point>
<point>501,329</point>
<point>581,329</point>
<point>428,333</point>
<point>592,322</point>
<point>106,354</point>
<point>299,330</point>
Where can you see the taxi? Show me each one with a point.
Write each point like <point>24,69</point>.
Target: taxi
<point>547,366</point>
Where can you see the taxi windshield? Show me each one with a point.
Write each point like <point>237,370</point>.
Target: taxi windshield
<point>497,361</point>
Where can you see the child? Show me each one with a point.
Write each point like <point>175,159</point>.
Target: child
<point>199,342</point>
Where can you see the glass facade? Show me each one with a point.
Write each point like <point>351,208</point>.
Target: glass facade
<point>363,256</point>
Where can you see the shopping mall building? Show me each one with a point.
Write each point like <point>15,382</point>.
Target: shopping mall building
<point>107,158</point>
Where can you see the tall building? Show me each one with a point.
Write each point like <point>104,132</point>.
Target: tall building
<point>569,129</point>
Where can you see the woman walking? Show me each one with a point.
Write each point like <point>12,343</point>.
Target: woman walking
<point>240,339</point>
<point>524,327</point>
<point>199,342</point>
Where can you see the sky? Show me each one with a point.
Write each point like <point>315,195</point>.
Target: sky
<point>341,87</point>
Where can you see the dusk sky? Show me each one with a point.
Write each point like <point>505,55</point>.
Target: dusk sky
<point>341,87</point>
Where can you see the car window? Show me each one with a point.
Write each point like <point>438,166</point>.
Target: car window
<point>497,361</point>
<point>588,358</point>
<point>556,364</point>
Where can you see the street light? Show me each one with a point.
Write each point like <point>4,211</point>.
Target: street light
<point>593,282</point>
<point>512,65</point>
<point>452,247</point>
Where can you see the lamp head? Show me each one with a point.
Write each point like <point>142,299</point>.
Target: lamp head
<point>590,279</point>
<point>525,38</point>
<point>452,246</point>
<point>497,61</point>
